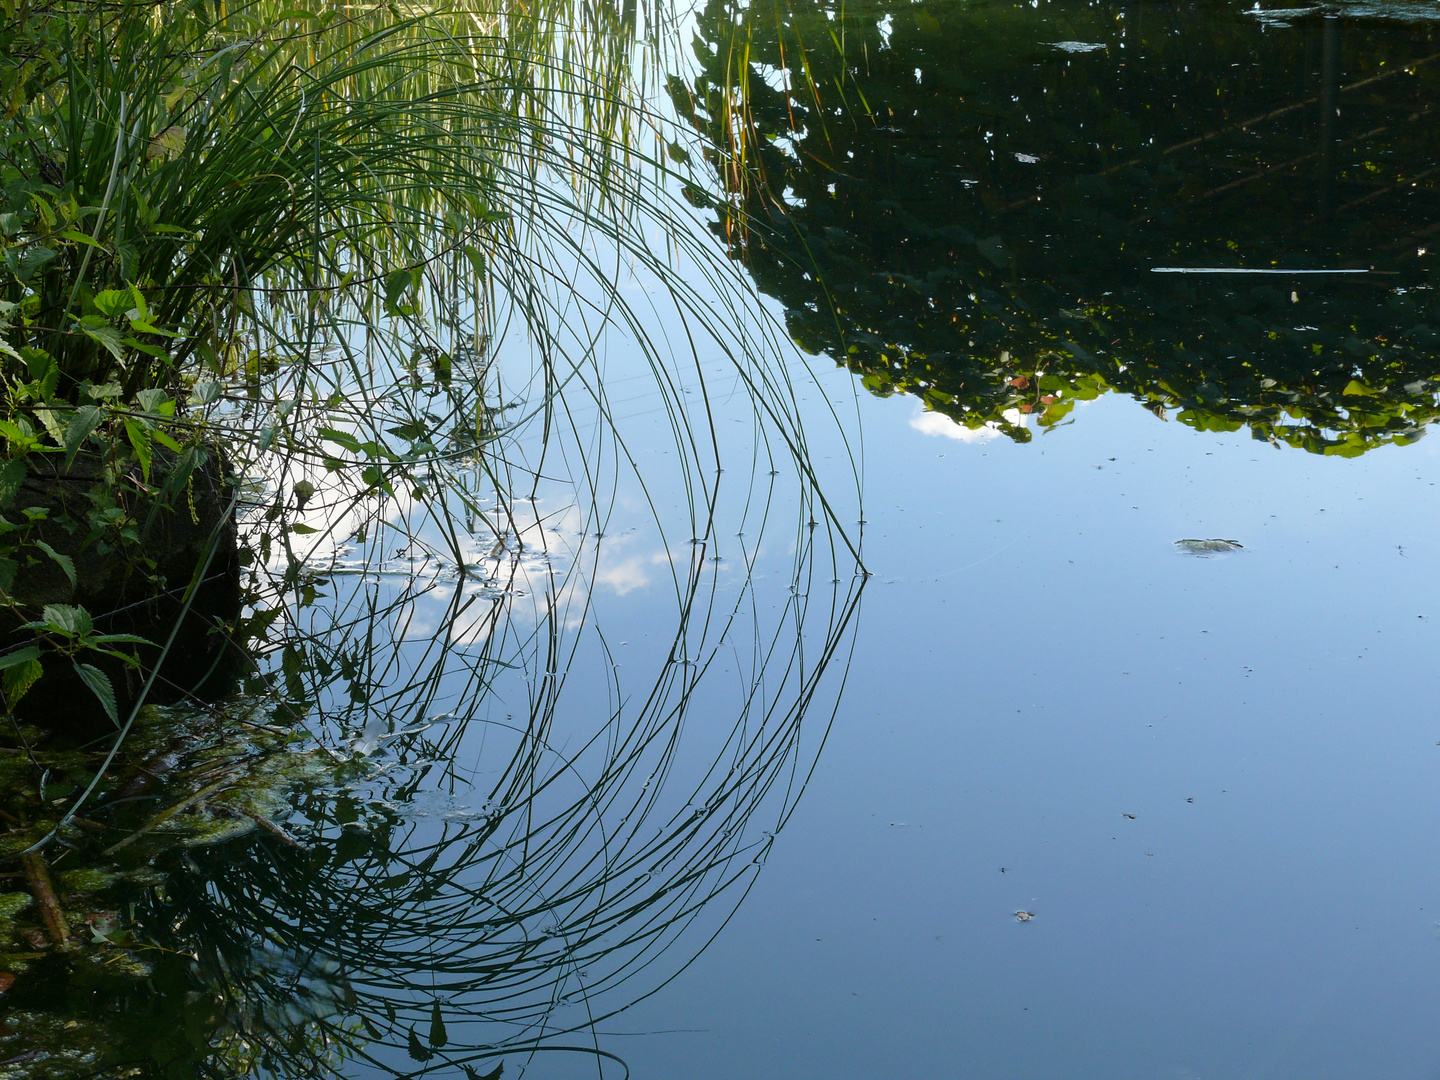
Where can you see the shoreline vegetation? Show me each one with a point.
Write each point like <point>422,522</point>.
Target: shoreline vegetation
<point>261,265</point>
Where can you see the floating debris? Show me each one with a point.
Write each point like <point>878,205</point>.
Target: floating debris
<point>1024,916</point>
<point>1209,547</point>
<point>1077,46</point>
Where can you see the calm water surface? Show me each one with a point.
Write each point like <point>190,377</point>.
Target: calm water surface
<point>1210,779</point>
<point>1093,803</point>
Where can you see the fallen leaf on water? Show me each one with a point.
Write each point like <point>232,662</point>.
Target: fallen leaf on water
<point>1209,547</point>
<point>1024,916</point>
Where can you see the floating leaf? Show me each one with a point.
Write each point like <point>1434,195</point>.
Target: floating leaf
<point>1208,547</point>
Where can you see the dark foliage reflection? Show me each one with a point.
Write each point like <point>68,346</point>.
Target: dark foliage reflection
<point>967,202</point>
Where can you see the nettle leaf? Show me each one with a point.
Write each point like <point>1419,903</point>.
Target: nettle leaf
<point>205,393</point>
<point>397,284</point>
<point>140,437</point>
<point>349,442</point>
<point>493,1074</point>
<point>54,421</point>
<point>152,400</point>
<point>68,619</point>
<point>416,1049</point>
<point>113,303</point>
<point>99,684</point>
<point>23,262</point>
<point>17,680</point>
<point>65,563</point>
<point>12,475</point>
<point>44,371</point>
<point>108,337</point>
<point>19,656</point>
<point>121,639</point>
<point>82,424</point>
<point>438,1036</point>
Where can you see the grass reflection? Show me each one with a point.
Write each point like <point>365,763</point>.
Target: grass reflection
<point>435,825</point>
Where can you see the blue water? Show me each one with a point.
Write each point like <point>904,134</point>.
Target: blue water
<point>1035,662</point>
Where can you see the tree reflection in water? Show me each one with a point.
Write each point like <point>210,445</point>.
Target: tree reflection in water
<point>967,202</point>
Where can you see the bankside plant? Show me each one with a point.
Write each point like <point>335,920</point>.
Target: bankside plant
<point>206,205</point>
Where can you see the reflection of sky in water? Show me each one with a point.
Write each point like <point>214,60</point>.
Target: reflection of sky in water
<point>1036,661</point>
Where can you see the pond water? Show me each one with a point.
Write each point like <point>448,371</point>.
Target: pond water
<point>1098,803</point>
<point>1118,758</point>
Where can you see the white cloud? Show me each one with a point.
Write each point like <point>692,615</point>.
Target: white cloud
<point>934,423</point>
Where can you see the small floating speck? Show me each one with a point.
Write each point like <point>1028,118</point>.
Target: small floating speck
<point>1024,916</point>
<point>1077,46</point>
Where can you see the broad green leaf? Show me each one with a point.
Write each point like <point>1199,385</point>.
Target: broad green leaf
<point>23,262</point>
<point>99,684</point>
<point>81,238</point>
<point>396,284</point>
<point>144,326</point>
<point>44,370</point>
<point>109,338</point>
<point>166,144</point>
<point>303,530</point>
<point>17,680</point>
<point>85,421</point>
<point>349,442</point>
<point>54,422</point>
<point>65,563</point>
<point>69,619</point>
<point>205,393</point>
<point>139,436</point>
<point>121,639</point>
<point>113,303</point>
<point>12,475</point>
<point>151,400</point>
<point>19,656</point>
